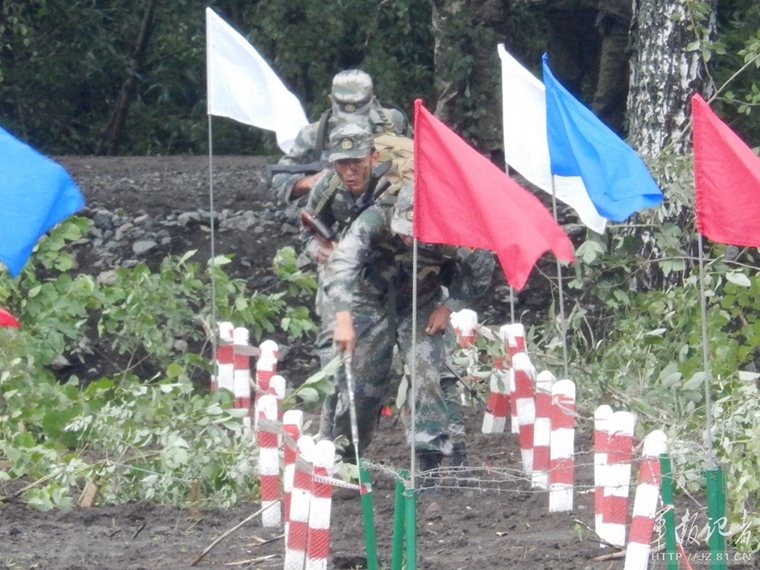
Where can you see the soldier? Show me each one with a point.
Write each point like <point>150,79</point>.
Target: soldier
<point>368,289</point>
<point>334,202</point>
<point>573,44</point>
<point>610,99</point>
<point>466,34</point>
<point>588,53</point>
<point>352,99</point>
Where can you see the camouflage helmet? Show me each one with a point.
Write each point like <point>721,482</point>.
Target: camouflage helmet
<point>352,93</point>
<point>403,211</point>
<point>351,139</point>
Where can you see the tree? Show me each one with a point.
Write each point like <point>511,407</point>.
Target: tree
<point>114,130</point>
<point>668,67</point>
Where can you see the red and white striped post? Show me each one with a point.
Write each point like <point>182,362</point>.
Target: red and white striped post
<point>543,430</point>
<point>498,399</point>
<point>269,349</point>
<point>602,417</point>
<point>525,376</point>
<point>645,502</point>
<point>267,430</point>
<point>465,323</point>
<point>277,386</point>
<point>292,426</point>
<point>318,542</point>
<point>513,336</point>
<point>298,528</point>
<point>562,447</point>
<point>265,369</point>
<point>616,489</point>
<point>242,374</point>
<point>225,358</point>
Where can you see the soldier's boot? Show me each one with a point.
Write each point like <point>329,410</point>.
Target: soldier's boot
<point>427,461</point>
<point>459,455</point>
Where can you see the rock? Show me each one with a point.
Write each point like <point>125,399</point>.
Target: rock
<point>122,230</point>
<point>241,223</point>
<point>106,277</point>
<point>60,363</point>
<point>144,246</point>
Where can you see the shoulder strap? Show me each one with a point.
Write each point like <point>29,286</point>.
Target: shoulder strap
<point>329,193</point>
<point>388,106</point>
<point>322,134</point>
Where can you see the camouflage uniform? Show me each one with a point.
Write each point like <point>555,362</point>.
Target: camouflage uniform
<point>610,98</point>
<point>370,274</point>
<point>588,53</point>
<point>467,68</point>
<point>335,206</point>
<point>573,44</point>
<point>352,99</point>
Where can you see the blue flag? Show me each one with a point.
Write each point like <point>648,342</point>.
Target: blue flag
<point>35,194</point>
<point>580,144</point>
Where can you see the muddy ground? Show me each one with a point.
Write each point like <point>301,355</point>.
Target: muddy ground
<point>492,520</point>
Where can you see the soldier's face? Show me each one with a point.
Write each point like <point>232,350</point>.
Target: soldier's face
<point>356,172</point>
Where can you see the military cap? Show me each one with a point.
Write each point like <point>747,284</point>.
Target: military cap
<point>351,139</point>
<point>352,92</point>
<point>403,211</point>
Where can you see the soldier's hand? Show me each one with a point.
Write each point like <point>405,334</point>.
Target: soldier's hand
<point>344,335</point>
<point>323,253</point>
<point>438,320</point>
<point>304,185</point>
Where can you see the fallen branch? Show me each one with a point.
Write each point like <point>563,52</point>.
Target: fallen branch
<point>226,533</point>
<point>251,560</point>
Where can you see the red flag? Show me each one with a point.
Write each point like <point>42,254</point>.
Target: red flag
<point>8,320</point>
<point>462,198</point>
<point>726,180</point>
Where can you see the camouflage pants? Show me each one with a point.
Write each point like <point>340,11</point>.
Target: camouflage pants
<point>609,102</point>
<point>573,47</point>
<point>371,369</point>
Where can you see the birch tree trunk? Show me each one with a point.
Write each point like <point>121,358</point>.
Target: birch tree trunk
<point>664,74</point>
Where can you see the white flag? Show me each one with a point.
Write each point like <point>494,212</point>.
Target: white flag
<point>526,147</point>
<point>243,87</point>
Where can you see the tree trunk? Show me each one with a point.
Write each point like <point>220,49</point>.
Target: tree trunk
<point>664,75</point>
<point>114,130</point>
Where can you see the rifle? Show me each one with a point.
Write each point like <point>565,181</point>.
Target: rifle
<point>473,392</point>
<point>305,169</point>
<point>318,229</point>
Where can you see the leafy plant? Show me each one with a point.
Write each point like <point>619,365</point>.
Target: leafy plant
<point>154,437</point>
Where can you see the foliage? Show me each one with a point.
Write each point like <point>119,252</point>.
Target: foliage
<point>63,64</point>
<point>152,438</point>
<point>159,441</point>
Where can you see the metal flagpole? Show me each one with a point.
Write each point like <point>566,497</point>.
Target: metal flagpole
<point>411,497</point>
<point>563,322</point>
<point>213,333</point>
<point>716,502</point>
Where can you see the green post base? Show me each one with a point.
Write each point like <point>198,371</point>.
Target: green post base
<point>370,540</point>
<point>399,515</point>
<point>411,528</point>
<point>666,490</point>
<point>716,518</point>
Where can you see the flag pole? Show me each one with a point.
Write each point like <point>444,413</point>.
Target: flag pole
<point>212,266</point>
<point>716,500</point>
<point>411,516</point>
<point>711,461</point>
<point>563,323</point>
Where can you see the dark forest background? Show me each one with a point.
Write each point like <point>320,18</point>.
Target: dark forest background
<point>121,77</point>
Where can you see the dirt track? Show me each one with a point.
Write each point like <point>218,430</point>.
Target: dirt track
<point>462,527</point>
